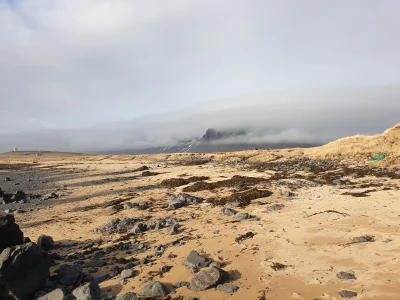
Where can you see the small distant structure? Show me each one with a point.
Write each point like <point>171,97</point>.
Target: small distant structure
<point>15,149</point>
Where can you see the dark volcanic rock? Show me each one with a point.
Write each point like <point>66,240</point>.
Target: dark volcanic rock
<point>24,269</point>
<point>181,200</point>
<point>154,289</point>
<point>227,288</point>
<point>195,260</point>
<point>57,294</point>
<point>88,291</point>
<point>10,234</point>
<point>346,276</point>
<point>208,279</point>
<point>45,242</point>
<point>7,198</point>
<point>68,275</point>
<point>347,294</point>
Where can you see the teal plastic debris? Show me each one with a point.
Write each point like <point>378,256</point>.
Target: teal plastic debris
<point>378,157</point>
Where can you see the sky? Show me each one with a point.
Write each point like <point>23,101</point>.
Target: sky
<point>89,74</point>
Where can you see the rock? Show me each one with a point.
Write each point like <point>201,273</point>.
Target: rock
<point>180,284</point>
<point>216,264</point>
<point>128,296</point>
<point>24,269</point>
<point>7,198</point>
<point>10,234</point>
<point>347,294</point>
<point>9,211</point>
<point>274,207</point>
<point>173,229</point>
<point>363,239</point>
<point>20,211</point>
<point>127,273</point>
<point>228,211</point>
<point>154,289</point>
<point>337,181</point>
<point>69,276</point>
<point>346,276</point>
<point>20,195</point>
<point>45,242</point>
<point>50,196</point>
<point>57,294</point>
<point>159,250</point>
<point>227,288</point>
<point>181,200</point>
<point>88,291</point>
<point>195,260</point>
<point>7,179</point>
<point>288,194</point>
<point>138,228</point>
<point>117,226</point>
<point>243,216</point>
<point>208,279</point>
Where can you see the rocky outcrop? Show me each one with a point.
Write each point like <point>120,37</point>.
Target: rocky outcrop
<point>24,269</point>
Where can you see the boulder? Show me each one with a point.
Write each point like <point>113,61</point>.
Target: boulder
<point>195,260</point>
<point>10,234</point>
<point>24,269</point>
<point>8,198</point>
<point>208,279</point>
<point>45,242</point>
<point>154,289</point>
<point>57,294</point>
<point>128,296</point>
<point>19,195</point>
<point>127,273</point>
<point>88,291</point>
<point>69,276</point>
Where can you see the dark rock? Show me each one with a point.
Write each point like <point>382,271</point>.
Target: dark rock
<point>364,239</point>
<point>9,211</point>
<point>20,211</point>
<point>20,195</point>
<point>45,242</point>
<point>138,228</point>
<point>97,279</point>
<point>50,196</point>
<point>127,273</point>
<point>117,226</point>
<point>93,270</point>
<point>216,264</point>
<point>154,289</point>
<point>96,263</point>
<point>227,288</point>
<point>208,279</point>
<point>173,229</point>
<point>159,250</point>
<point>128,296</point>
<point>7,198</point>
<point>88,291</point>
<point>24,269</point>
<point>180,284</point>
<point>69,276</point>
<point>27,240</point>
<point>57,294</point>
<point>347,294</point>
<point>346,276</point>
<point>228,211</point>
<point>197,261</point>
<point>247,235</point>
<point>7,179</point>
<point>181,200</point>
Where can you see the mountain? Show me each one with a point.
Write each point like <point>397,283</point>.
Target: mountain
<point>215,141</point>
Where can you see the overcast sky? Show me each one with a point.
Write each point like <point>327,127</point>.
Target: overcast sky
<point>129,72</point>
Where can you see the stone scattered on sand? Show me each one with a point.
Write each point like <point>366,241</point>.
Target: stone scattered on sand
<point>24,269</point>
<point>227,288</point>
<point>50,196</point>
<point>117,226</point>
<point>88,291</point>
<point>346,276</point>
<point>69,276</point>
<point>128,296</point>
<point>207,279</point>
<point>245,236</point>
<point>228,211</point>
<point>45,242</point>
<point>195,260</point>
<point>8,198</point>
<point>181,200</point>
<point>127,273</point>
<point>173,229</point>
<point>19,195</point>
<point>244,216</point>
<point>154,289</point>
<point>363,239</point>
<point>274,207</point>
<point>57,294</point>
<point>138,228</point>
<point>347,294</point>
<point>10,234</point>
